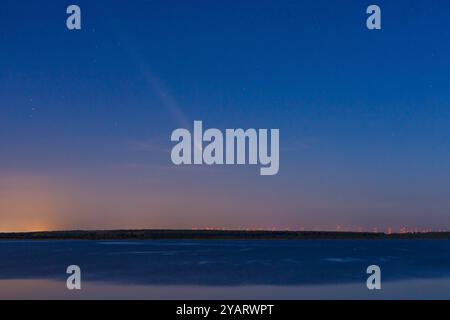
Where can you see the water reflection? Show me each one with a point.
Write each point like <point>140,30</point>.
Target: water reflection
<point>52,289</point>
<point>226,269</point>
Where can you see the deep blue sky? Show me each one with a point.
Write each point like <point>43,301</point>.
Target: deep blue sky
<point>86,116</point>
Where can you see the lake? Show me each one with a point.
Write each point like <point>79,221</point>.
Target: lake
<point>226,269</point>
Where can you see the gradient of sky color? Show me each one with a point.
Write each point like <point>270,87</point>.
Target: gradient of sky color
<point>86,116</point>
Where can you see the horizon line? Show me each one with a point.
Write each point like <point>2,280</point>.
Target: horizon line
<point>246,230</point>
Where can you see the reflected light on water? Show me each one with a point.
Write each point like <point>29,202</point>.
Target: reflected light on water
<point>52,289</point>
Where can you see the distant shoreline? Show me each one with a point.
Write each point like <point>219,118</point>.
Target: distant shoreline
<point>215,235</point>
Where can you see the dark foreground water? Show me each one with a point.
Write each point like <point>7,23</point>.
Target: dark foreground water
<point>207,269</point>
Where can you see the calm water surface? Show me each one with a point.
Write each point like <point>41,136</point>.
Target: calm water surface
<point>205,269</point>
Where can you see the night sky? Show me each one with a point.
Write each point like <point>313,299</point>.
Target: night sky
<point>86,116</point>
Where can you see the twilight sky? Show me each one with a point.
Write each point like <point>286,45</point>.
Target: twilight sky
<point>86,116</point>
